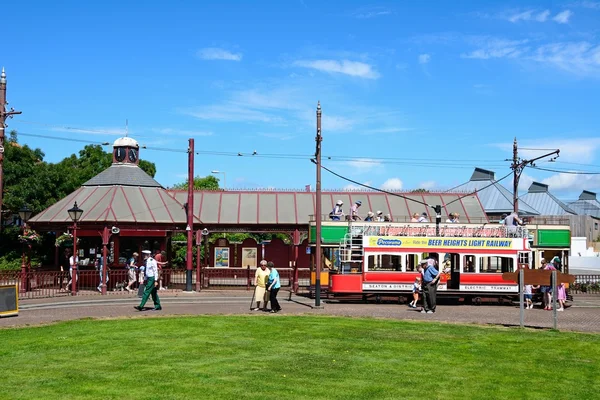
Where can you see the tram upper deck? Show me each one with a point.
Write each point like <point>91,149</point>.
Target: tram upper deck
<point>333,231</point>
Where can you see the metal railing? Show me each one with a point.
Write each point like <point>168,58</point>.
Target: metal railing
<point>585,284</point>
<point>43,284</point>
<point>400,219</point>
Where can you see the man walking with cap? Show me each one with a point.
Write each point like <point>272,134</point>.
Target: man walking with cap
<point>151,282</point>
<point>431,278</point>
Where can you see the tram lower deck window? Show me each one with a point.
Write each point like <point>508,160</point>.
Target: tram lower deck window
<point>496,264</point>
<point>385,262</point>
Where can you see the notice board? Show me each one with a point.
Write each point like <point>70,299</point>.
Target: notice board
<point>9,300</point>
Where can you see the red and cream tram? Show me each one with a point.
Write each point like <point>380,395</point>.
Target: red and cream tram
<point>375,259</point>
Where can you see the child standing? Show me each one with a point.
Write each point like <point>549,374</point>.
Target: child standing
<point>416,288</point>
<point>527,291</point>
<point>561,296</point>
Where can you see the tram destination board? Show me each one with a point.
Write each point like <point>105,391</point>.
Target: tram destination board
<point>9,301</point>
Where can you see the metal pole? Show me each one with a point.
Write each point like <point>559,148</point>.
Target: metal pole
<point>23,266</point>
<point>521,298</point>
<point>318,255</point>
<point>198,259</point>
<point>190,218</point>
<point>3,116</point>
<point>554,313</point>
<point>75,260</point>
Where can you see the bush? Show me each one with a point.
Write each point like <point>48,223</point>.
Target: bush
<point>10,263</point>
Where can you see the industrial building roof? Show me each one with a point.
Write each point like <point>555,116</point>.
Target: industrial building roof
<point>544,202</point>
<point>587,204</point>
<point>494,197</point>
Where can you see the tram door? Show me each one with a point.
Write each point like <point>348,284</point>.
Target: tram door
<point>453,260</point>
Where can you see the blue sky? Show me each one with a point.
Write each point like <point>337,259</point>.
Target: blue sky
<point>413,94</point>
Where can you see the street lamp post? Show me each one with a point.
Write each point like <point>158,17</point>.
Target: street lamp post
<point>24,214</point>
<point>75,214</point>
<point>224,177</point>
<point>201,265</point>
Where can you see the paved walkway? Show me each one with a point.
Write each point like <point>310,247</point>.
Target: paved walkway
<point>583,315</point>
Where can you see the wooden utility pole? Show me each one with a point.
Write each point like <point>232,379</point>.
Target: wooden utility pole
<point>318,212</point>
<point>190,218</point>
<point>516,176</point>
<point>4,115</point>
<point>519,165</point>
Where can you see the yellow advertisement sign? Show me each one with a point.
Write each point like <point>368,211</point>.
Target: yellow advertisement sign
<point>441,243</point>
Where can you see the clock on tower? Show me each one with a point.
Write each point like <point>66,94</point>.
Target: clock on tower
<point>126,151</point>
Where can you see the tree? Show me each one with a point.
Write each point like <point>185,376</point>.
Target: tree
<point>208,182</point>
<point>420,191</point>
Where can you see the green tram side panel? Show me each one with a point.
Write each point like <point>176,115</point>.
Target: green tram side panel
<point>554,237</point>
<point>330,234</point>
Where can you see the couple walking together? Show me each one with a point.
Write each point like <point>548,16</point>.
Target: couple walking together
<point>266,280</point>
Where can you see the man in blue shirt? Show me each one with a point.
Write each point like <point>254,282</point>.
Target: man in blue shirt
<point>431,278</point>
<point>273,285</point>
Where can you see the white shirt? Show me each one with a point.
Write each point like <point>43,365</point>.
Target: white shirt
<point>71,262</point>
<point>422,219</point>
<point>151,268</point>
<point>380,218</point>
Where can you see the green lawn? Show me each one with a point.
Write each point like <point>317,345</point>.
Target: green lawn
<point>280,357</point>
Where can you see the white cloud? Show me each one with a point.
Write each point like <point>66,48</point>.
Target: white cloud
<point>572,182</point>
<point>593,5</point>
<point>362,165</point>
<point>563,17</point>
<point>112,131</point>
<point>524,182</point>
<point>424,58</point>
<point>522,16</point>
<point>427,185</point>
<point>543,16</point>
<point>535,15</point>
<point>336,123</point>
<point>579,58</point>
<point>346,67</point>
<point>213,53</point>
<point>497,48</point>
<point>392,184</point>
<point>278,136</point>
<point>386,130</point>
<point>371,12</point>
<point>230,112</point>
<point>181,132</point>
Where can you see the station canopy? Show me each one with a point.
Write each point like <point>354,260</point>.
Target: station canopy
<point>272,207</point>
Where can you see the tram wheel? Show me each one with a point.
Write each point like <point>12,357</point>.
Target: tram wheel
<point>477,301</point>
<point>501,300</point>
<point>365,299</point>
<point>378,299</point>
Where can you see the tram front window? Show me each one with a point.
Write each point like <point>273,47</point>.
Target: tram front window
<point>496,264</point>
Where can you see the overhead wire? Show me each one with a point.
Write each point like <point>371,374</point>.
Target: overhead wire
<point>566,171</point>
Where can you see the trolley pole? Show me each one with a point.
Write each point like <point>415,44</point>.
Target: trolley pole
<point>318,140</point>
<point>4,115</point>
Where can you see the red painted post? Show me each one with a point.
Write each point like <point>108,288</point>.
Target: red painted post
<point>296,240</point>
<point>75,262</point>
<point>190,217</point>
<point>105,237</point>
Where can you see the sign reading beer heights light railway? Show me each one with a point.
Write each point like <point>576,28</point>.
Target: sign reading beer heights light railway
<point>438,243</point>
